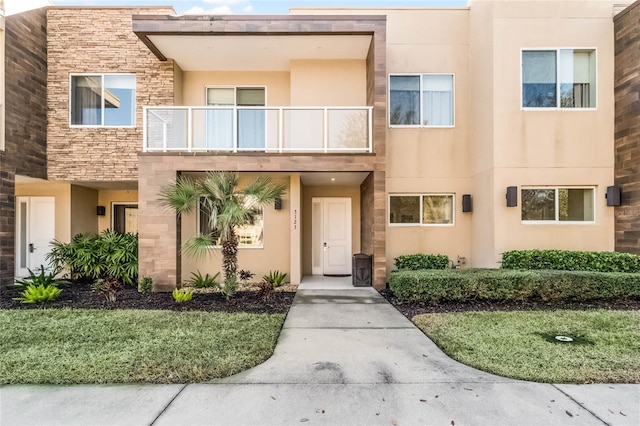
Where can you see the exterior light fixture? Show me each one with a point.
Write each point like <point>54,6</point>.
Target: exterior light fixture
<point>512,196</point>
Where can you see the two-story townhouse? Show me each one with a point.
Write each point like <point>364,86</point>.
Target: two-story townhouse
<point>463,131</point>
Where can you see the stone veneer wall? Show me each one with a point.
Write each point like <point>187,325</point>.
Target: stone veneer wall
<point>627,127</point>
<point>99,40</point>
<point>25,120</point>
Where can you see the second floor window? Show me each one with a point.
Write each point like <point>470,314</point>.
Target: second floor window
<point>561,78</point>
<point>103,100</point>
<point>421,100</point>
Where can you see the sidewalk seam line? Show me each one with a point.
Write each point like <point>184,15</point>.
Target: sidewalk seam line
<point>168,404</point>
<point>581,405</point>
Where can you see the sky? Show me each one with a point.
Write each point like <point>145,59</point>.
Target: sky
<point>229,6</point>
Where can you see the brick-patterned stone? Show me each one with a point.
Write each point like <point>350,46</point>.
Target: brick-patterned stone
<point>627,127</point>
<point>99,40</point>
<point>25,120</point>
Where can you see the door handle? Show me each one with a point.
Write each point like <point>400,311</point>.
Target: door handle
<point>31,248</point>
<point>325,247</point>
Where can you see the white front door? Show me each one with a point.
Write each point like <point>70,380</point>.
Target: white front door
<point>35,229</point>
<point>331,218</point>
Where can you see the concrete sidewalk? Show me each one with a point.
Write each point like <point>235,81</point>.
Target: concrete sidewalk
<point>344,357</point>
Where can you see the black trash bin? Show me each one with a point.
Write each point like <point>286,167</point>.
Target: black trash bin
<point>362,270</point>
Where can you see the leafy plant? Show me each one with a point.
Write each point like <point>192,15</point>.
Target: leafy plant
<point>265,289</point>
<point>181,295</point>
<point>228,207</point>
<point>109,287</point>
<point>245,276</point>
<point>229,287</point>
<point>415,262</point>
<point>39,293</point>
<point>91,256</point>
<point>275,278</point>
<point>41,278</point>
<point>198,281</point>
<point>145,285</point>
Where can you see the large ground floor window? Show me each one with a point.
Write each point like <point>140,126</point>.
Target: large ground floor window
<point>558,204</point>
<point>421,209</point>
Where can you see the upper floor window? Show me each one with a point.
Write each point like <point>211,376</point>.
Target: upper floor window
<point>424,100</point>
<point>428,209</point>
<point>103,100</point>
<point>558,204</point>
<point>560,78</point>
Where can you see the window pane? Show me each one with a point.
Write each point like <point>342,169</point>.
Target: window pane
<point>125,218</point>
<point>250,235</point>
<point>577,78</point>
<point>86,100</point>
<point>437,100</point>
<point>119,100</point>
<point>437,209</point>
<point>539,79</point>
<point>404,100</point>
<point>404,209</point>
<point>575,204</point>
<point>221,96</point>
<point>538,204</point>
<point>250,97</point>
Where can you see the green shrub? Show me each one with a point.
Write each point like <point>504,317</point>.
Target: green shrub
<point>568,260</point>
<point>501,284</point>
<point>41,278</point>
<point>415,262</point>
<point>145,286</point>
<point>275,278</point>
<point>182,295</point>
<point>229,287</point>
<point>39,293</point>
<point>198,281</point>
<point>91,256</point>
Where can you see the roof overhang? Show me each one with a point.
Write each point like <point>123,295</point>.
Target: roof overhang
<point>265,43</point>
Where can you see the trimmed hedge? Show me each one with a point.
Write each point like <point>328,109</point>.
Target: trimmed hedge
<point>568,260</point>
<point>501,284</point>
<point>415,262</point>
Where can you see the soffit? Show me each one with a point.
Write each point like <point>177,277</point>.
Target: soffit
<point>257,52</point>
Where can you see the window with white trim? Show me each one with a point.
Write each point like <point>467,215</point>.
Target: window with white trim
<point>421,209</point>
<point>559,78</point>
<point>249,236</point>
<point>421,100</point>
<point>558,204</point>
<point>102,100</point>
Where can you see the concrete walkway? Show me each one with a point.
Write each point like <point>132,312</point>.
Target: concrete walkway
<point>344,357</point>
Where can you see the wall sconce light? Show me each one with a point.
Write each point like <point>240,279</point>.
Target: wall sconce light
<point>613,196</point>
<point>101,210</point>
<point>512,196</point>
<point>466,203</point>
<point>277,204</point>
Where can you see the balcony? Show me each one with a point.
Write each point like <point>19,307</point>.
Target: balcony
<point>258,129</point>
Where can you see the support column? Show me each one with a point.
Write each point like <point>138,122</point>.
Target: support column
<point>295,196</point>
<point>158,255</point>
<point>7,225</point>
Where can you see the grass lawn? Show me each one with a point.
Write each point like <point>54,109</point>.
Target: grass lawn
<point>65,346</point>
<point>522,345</point>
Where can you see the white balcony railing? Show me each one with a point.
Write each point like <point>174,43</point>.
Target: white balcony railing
<point>258,129</point>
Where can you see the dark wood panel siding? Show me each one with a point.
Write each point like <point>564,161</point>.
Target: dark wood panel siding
<point>627,127</point>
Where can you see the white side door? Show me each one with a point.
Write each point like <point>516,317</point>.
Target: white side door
<point>35,229</point>
<point>332,236</point>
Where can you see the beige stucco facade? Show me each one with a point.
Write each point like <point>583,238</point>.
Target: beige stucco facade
<point>491,143</point>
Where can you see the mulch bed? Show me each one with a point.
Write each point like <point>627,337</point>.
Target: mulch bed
<point>411,309</point>
<point>81,296</point>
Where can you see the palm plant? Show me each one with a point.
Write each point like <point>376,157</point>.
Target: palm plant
<point>228,206</point>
